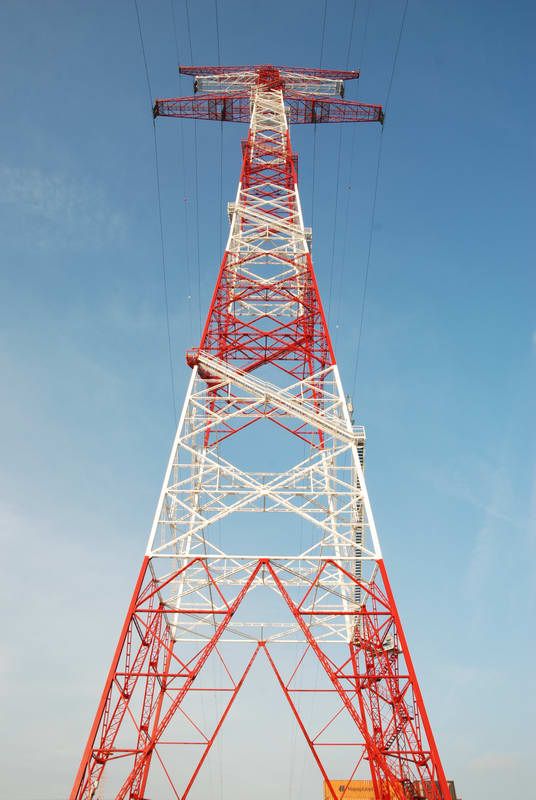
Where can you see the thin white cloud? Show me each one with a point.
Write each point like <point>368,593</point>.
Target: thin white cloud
<point>64,212</point>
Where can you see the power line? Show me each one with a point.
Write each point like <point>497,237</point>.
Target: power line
<point>364,42</point>
<point>344,241</point>
<point>187,10</point>
<point>313,179</point>
<point>323,33</point>
<point>337,180</point>
<point>164,275</point>
<point>321,59</point>
<point>335,222</point>
<point>196,173</point>
<point>350,37</point>
<point>217,31</point>
<point>143,53</point>
<point>220,210</point>
<point>159,205</point>
<point>373,215</point>
<point>350,168</point>
<point>186,250</point>
<point>367,265</point>
<point>395,59</point>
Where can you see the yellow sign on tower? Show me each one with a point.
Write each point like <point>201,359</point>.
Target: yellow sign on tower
<point>350,790</point>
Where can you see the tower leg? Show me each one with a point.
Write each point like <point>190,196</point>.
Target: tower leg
<point>81,775</point>
<point>439,775</point>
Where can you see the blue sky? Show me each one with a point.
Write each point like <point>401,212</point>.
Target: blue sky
<point>447,369</point>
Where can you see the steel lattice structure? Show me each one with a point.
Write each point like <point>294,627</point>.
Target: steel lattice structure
<point>265,359</point>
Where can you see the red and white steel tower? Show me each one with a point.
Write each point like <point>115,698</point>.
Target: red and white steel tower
<point>265,360</point>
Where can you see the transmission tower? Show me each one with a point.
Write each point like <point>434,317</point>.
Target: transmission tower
<point>264,366</point>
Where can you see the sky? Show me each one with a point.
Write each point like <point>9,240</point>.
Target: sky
<point>446,375</point>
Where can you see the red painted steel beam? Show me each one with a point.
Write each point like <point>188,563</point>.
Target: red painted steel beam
<point>107,686</point>
<point>200,662</point>
<point>226,710</point>
<point>300,722</point>
<point>303,109</point>
<point>440,775</point>
<point>326,663</point>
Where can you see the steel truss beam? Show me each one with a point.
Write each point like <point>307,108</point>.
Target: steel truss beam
<point>264,363</point>
<point>236,108</point>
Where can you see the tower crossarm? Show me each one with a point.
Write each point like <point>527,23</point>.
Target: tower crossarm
<point>317,81</point>
<point>310,95</point>
<point>334,74</point>
<point>301,108</point>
